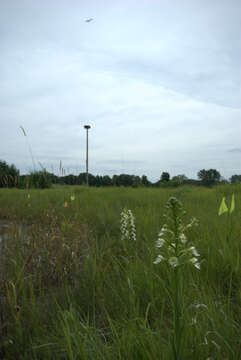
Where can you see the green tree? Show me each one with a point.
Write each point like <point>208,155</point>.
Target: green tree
<point>81,179</point>
<point>8,175</point>
<point>125,180</point>
<point>70,179</point>
<point>235,178</point>
<point>106,181</point>
<point>165,176</point>
<point>98,180</point>
<point>145,181</point>
<point>209,177</point>
<point>179,179</point>
<point>38,180</point>
<point>115,180</point>
<point>136,181</point>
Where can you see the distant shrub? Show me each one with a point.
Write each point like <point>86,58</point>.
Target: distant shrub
<point>235,179</point>
<point>37,180</point>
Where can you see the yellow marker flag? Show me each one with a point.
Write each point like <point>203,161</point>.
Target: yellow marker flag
<point>72,197</point>
<point>66,204</point>
<point>232,207</point>
<point>223,207</point>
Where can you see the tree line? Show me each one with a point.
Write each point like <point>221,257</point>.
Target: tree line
<point>10,177</point>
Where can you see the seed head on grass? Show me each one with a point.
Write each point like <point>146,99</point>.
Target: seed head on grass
<point>175,247</point>
<point>127,227</point>
<point>175,250</point>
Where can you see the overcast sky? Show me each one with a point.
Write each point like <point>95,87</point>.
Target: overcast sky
<point>159,82</point>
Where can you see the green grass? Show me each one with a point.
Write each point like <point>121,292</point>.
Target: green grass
<point>71,289</point>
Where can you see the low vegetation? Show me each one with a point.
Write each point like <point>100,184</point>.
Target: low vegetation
<point>94,273</point>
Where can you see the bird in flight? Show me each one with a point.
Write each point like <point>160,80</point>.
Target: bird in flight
<point>89,20</point>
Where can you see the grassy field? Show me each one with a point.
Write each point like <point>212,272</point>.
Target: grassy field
<point>72,289</point>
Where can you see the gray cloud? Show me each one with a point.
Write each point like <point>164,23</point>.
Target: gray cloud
<point>236,150</point>
<point>159,83</point>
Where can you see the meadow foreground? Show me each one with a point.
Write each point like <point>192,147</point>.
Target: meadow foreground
<point>76,285</point>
